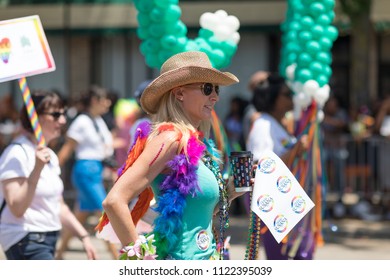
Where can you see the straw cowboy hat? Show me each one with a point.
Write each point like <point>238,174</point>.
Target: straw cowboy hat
<point>182,69</point>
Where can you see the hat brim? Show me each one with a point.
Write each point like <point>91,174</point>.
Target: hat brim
<point>151,96</point>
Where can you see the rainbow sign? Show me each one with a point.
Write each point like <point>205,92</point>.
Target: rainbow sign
<point>24,50</point>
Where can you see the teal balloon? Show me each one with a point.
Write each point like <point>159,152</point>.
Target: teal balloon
<point>291,58</point>
<point>291,36</point>
<point>317,31</point>
<point>331,33</point>
<point>326,44</point>
<point>156,30</point>
<point>322,80</point>
<point>229,47</point>
<point>143,33</point>
<point>316,9</point>
<point>143,19</point>
<point>307,22</point>
<point>303,75</point>
<point>323,20</point>
<point>329,4</point>
<point>157,15</point>
<point>327,71</point>
<point>295,25</point>
<point>165,3</point>
<point>313,47</point>
<point>316,68</point>
<point>172,13</point>
<point>179,29</point>
<point>304,59</point>
<point>168,41</point>
<point>323,57</point>
<point>191,46</point>
<point>292,47</point>
<point>163,55</point>
<point>144,6</point>
<point>305,36</point>
<point>152,60</point>
<point>181,43</point>
<point>205,33</point>
<point>217,58</point>
<point>307,2</point>
<point>150,45</point>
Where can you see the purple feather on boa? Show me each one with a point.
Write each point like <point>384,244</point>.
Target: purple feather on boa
<point>172,201</point>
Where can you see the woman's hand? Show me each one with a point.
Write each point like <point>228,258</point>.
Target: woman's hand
<point>89,248</point>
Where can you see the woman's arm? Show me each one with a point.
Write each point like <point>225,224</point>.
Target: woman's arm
<point>66,150</point>
<point>19,192</point>
<point>139,176</point>
<point>70,222</point>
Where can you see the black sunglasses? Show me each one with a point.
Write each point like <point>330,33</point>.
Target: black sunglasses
<point>55,115</point>
<point>207,88</point>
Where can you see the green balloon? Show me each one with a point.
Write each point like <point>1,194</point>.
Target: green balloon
<point>168,41</point>
<point>331,33</point>
<point>143,19</point>
<point>157,15</point>
<point>205,33</point>
<point>317,31</point>
<point>322,80</point>
<point>143,33</point>
<point>303,75</point>
<point>291,36</point>
<point>327,71</point>
<point>305,36</point>
<point>163,55</point>
<point>172,13</point>
<point>323,20</point>
<point>292,47</point>
<point>316,9</point>
<point>315,67</point>
<point>156,30</point>
<point>307,22</point>
<point>326,43</point>
<point>144,6</point>
<point>229,47</point>
<point>152,60</point>
<point>163,3</point>
<point>323,57</point>
<point>313,47</point>
<point>329,4</point>
<point>304,59</point>
<point>291,58</point>
<point>151,45</point>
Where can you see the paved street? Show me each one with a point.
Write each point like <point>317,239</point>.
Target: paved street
<point>346,239</point>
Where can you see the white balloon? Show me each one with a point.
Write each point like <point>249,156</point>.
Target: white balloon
<point>232,22</point>
<point>290,71</point>
<point>302,99</point>
<point>320,115</point>
<point>322,95</point>
<point>208,20</point>
<point>297,112</point>
<point>235,37</point>
<point>297,87</point>
<point>310,87</point>
<point>222,33</point>
<point>221,14</point>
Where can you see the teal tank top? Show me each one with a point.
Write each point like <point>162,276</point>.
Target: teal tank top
<point>196,240</point>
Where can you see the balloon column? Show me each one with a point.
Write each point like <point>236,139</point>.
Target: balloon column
<point>163,34</point>
<point>307,40</point>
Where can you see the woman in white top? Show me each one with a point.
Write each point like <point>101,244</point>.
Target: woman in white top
<point>31,189</point>
<point>273,99</point>
<point>91,141</point>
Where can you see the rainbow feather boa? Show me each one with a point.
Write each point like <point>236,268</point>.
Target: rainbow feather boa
<point>176,187</point>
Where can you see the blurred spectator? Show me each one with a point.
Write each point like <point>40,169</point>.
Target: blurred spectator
<point>234,124</point>
<point>250,112</point>
<point>334,126</point>
<point>382,122</point>
<point>9,121</point>
<point>90,139</point>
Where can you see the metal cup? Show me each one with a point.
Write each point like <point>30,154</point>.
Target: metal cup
<point>241,166</point>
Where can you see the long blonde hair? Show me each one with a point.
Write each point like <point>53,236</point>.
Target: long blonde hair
<point>170,111</point>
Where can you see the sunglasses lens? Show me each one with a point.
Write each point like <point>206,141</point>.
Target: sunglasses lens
<point>56,115</point>
<point>207,89</point>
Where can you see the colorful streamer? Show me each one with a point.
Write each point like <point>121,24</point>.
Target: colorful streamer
<point>32,114</point>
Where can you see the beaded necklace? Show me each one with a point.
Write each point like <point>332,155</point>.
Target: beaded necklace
<point>223,200</point>
<point>253,243</point>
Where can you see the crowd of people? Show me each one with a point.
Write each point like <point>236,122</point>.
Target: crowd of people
<point>170,156</point>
